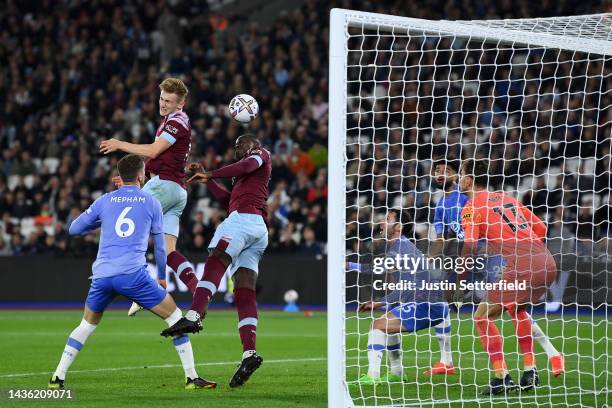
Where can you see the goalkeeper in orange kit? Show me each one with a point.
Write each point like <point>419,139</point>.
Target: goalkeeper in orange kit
<point>514,232</point>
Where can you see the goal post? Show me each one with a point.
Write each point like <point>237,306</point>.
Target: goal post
<point>533,97</point>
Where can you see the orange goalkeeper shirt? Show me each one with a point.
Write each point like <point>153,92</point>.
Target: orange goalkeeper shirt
<point>498,217</point>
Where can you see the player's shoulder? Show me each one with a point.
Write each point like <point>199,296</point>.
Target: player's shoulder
<point>467,212</point>
<point>178,120</point>
<point>100,201</point>
<point>261,152</point>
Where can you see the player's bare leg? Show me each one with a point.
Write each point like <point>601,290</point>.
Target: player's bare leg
<point>246,306</point>
<point>214,269</point>
<point>556,359</point>
<point>168,311</point>
<point>445,365</point>
<point>385,333</point>
<point>491,340</point>
<point>524,332</point>
<point>75,343</point>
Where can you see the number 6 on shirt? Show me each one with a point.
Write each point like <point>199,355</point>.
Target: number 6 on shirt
<point>122,220</point>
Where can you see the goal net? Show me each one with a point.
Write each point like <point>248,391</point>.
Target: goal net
<point>533,98</point>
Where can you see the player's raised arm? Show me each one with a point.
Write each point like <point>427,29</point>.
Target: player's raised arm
<point>220,193</point>
<point>238,169</point>
<point>151,150</point>
<point>88,220</point>
<point>250,155</point>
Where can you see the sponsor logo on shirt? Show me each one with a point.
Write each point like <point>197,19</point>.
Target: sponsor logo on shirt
<point>171,129</point>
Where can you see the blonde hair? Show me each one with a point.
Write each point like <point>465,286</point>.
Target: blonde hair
<point>174,86</point>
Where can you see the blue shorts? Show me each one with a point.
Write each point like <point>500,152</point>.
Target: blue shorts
<point>173,199</point>
<point>491,273</point>
<point>419,316</point>
<point>137,286</point>
<point>245,239</point>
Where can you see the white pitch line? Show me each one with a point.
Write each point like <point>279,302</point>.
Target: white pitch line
<point>155,334</point>
<point>494,400</point>
<point>213,363</point>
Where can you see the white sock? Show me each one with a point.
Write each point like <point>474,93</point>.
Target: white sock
<point>542,339</point>
<point>376,345</point>
<point>443,333</point>
<point>394,352</point>
<point>75,343</point>
<point>247,354</point>
<point>174,317</point>
<point>192,315</point>
<point>185,352</point>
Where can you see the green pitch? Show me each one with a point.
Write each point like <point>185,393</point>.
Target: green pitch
<point>585,341</point>
<point>127,363</point>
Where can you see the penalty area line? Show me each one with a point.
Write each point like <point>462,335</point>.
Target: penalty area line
<point>496,400</point>
<point>212,363</point>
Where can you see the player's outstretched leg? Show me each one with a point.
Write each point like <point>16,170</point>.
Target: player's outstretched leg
<point>445,365</point>
<point>182,267</point>
<point>75,343</point>
<point>524,330</point>
<point>385,333</point>
<point>171,314</point>
<point>246,306</point>
<point>214,269</point>
<point>492,343</point>
<point>556,359</point>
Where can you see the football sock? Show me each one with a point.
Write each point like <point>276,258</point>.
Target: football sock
<point>181,266</point>
<point>524,329</point>
<point>214,270</point>
<point>376,345</point>
<point>443,333</point>
<point>394,353</point>
<point>174,317</point>
<point>492,342</point>
<point>543,340</point>
<point>185,352</point>
<point>75,343</point>
<point>246,305</point>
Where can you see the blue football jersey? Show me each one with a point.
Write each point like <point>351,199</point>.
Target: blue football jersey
<point>447,216</point>
<point>404,247</point>
<point>127,217</point>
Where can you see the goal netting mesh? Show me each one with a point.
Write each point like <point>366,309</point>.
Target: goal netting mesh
<point>532,97</point>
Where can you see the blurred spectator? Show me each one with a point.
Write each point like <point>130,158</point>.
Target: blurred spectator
<point>603,219</point>
<point>284,145</point>
<point>68,89</point>
<point>317,194</point>
<point>299,161</point>
<point>5,248</point>
<point>309,245</point>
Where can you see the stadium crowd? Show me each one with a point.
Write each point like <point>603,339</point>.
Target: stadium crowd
<point>76,73</point>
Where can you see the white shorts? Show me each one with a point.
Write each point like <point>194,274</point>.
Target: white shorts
<point>246,236</point>
<point>173,199</point>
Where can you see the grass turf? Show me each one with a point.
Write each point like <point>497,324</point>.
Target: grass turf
<point>127,363</point>
<point>584,340</point>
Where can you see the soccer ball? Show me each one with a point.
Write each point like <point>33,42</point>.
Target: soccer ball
<point>291,296</point>
<point>243,108</point>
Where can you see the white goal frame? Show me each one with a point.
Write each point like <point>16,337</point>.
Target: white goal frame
<point>340,21</point>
